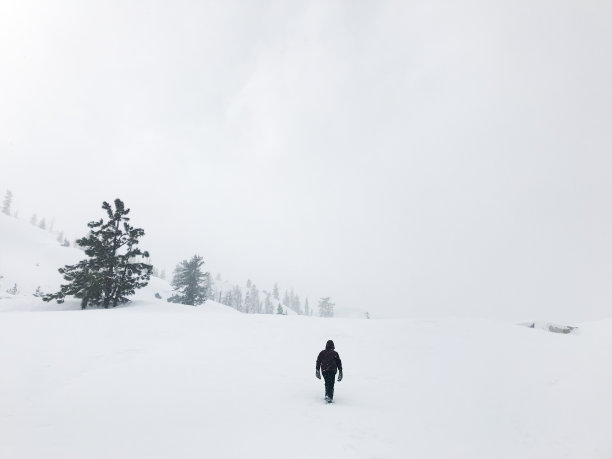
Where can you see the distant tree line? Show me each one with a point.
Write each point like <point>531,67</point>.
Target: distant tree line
<point>250,300</point>
<point>193,286</point>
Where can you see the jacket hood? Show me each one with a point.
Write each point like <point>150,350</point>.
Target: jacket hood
<point>330,345</point>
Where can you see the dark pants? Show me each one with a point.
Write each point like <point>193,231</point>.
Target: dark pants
<point>330,378</point>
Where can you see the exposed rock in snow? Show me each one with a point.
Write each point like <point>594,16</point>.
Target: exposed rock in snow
<point>554,328</point>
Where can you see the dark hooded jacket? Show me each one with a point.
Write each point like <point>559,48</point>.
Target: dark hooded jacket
<point>328,359</point>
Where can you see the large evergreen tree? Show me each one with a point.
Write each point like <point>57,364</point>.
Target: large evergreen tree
<point>190,282</point>
<point>112,272</point>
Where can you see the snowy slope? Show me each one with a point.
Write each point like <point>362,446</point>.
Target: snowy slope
<point>30,257</point>
<point>159,380</point>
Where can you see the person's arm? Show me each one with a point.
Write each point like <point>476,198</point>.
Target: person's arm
<point>339,363</point>
<point>317,372</point>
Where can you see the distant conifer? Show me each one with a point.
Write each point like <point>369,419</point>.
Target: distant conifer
<point>189,282</point>
<point>275,292</point>
<point>268,304</point>
<point>6,204</point>
<point>326,307</point>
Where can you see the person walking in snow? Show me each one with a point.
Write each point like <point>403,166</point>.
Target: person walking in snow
<point>328,362</point>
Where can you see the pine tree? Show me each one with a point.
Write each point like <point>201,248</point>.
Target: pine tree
<point>255,304</point>
<point>295,304</point>
<point>306,307</point>
<point>326,307</point>
<point>279,309</point>
<point>212,290</point>
<point>6,204</point>
<point>60,237</point>
<point>275,292</point>
<point>247,301</point>
<point>268,305</point>
<point>190,283</point>
<point>34,220</point>
<point>228,299</point>
<point>42,224</point>
<point>111,273</point>
<point>287,300</point>
<point>237,298</point>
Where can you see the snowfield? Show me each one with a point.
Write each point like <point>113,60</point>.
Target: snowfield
<point>159,380</point>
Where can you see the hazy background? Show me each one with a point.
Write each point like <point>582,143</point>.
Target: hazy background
<point>406,158</point>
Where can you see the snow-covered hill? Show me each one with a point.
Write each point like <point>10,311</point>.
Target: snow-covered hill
<point>158,380</point>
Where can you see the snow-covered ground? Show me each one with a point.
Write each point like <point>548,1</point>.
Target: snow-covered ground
<point>159,380</point>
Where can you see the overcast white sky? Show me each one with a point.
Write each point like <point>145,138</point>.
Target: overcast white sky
<point>406,158</point>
